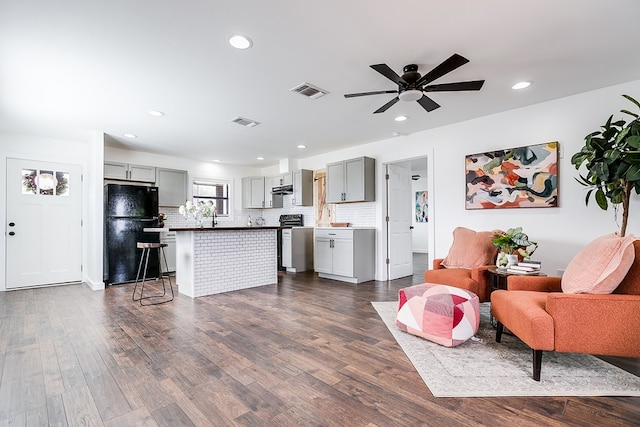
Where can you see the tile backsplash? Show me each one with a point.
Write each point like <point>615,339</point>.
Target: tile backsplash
<point>357,214</point>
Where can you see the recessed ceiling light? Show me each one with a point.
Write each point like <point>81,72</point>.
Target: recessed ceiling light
<point>156,113</point>
<point>301,146</point>
<point>401,118</point>
<point>240,42</point>
<point>521,85</point>
<point>259,158</point>
<point>130,135</point>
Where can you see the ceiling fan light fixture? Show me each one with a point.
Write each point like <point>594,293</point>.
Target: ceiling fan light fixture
<point>410,95</point>
<point>401,118</point>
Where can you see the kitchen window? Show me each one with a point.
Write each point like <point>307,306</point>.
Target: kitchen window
<point>215,190</point>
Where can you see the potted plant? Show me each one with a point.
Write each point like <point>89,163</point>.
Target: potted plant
<point>612,158</point>
<point>513,245</point>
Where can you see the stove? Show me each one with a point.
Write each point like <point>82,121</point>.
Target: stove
<point>289,220</point>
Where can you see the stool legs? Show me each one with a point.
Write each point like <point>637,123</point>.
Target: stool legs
<point>145,259</point>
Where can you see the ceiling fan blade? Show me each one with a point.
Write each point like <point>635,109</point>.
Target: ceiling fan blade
<point>380,92</point>
<point>450,87</point>
<point>449,64</point>
<point>389,73</point>
<point>386,106</point>
<point>428,103</point>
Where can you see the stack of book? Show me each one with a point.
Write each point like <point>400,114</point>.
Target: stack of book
<point>526,267</point>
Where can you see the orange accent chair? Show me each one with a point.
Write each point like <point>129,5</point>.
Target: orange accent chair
<point>535,310</point>
<point>466,266</point>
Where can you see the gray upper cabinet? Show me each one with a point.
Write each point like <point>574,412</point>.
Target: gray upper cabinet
<point>172,187</point>
<point>129,172</point>
<point>302,187</point>
<point>256,195</point>
<point>351,180</point>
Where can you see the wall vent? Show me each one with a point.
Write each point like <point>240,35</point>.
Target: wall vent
<point>309,90</point>
<point>245,122</point>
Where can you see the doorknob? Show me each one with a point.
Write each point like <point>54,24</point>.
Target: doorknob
<point>411,227</point>
<point>12,233</point>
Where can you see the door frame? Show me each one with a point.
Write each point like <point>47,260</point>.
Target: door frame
<point>431,243</point>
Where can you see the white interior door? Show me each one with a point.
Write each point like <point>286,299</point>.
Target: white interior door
<point>43,229</point>
<point>399,208</point>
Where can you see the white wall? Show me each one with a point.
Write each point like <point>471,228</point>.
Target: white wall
<point>196,169</point>
<point>561,232</point>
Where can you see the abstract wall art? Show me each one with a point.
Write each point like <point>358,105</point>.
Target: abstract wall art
<point>524,177</point>
<point>422,206</point>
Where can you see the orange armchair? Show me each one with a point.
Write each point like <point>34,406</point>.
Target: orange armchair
<point>535,310</point>
<point>466,265</point>
<point>474,279</point>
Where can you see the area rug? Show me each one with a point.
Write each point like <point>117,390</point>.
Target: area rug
<point>480,367</point>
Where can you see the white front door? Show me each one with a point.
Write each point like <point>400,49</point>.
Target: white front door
<point>43,229</point>
<point>399,210</point>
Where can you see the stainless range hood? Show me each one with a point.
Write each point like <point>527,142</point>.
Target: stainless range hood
<point>282,189</point>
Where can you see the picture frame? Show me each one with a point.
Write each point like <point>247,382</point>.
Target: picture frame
<point>522,177</point>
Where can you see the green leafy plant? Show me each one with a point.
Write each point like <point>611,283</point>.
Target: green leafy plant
<point>612,158</point>
<point>514,242</point>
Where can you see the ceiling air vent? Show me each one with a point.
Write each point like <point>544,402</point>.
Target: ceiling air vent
<point>309,90</point>
<point>245,122</point>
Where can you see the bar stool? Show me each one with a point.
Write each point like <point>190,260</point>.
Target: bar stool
<point>146,250</point>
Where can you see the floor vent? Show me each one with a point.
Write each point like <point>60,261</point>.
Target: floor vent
<point>245,122</point>
<point>309,90</point>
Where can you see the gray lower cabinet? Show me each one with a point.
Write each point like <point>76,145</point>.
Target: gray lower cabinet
<point>129,172</point>
<point>346,254</point>
<point>172,187</point>
<point>351,180</point>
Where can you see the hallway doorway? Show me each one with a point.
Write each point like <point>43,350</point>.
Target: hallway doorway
<point>407,250</point>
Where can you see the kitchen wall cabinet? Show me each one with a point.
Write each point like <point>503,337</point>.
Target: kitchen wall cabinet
<point>172,187</point>
<point>129,172</point>
<point>302,187</point>
<point>346,254</point>
<point>351,180</point>
<point>256,193</point>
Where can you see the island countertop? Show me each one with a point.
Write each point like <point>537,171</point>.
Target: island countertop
<point>225,228</point>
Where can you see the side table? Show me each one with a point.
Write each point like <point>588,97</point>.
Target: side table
<point>498,280</point>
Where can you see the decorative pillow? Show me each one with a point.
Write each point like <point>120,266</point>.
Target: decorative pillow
<point>470,249</point>
<point>600,266</point>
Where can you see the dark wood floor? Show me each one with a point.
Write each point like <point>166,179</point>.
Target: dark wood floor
<point>305,352</point>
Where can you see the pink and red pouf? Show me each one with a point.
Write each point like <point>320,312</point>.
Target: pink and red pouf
<point>443,314</point>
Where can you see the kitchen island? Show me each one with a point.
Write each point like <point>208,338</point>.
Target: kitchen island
<point>212,260</point>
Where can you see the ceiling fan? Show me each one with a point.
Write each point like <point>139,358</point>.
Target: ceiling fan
<point>412,86</point>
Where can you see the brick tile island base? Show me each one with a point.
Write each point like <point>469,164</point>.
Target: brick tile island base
<point>222,259</point>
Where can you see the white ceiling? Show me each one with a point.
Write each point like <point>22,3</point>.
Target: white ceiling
<point>72,66</point>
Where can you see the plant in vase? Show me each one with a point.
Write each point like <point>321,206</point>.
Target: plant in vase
<point>513,245</point>
<point>198,211</point>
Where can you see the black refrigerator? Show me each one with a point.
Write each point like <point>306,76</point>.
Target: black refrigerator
<point>128,209</point>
